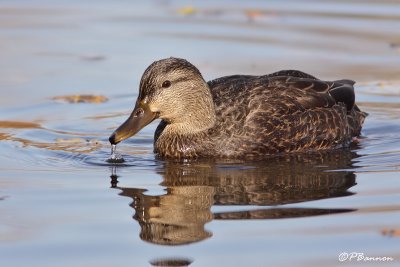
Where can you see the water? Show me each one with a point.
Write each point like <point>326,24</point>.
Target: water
<point>115,157</point>
<point>62,203</point>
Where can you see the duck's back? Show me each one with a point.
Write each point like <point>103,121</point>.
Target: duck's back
<point>282,112</point>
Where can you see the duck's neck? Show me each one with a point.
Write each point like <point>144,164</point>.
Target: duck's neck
<point>179,141</point>
<point>198,114</point>
<point>185,135</point>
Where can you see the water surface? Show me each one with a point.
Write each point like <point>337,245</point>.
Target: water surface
<point>70,73</point>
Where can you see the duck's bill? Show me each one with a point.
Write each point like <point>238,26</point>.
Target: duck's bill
<point>140,117</point>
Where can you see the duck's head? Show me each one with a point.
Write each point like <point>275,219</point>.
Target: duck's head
<point>173,90</point>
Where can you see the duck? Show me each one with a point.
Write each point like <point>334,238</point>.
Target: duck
<point>241,116</point>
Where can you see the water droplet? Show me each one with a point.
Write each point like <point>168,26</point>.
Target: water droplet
<point>115,157</point>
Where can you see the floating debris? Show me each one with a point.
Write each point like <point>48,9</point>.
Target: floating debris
<point>391,232</point>
<point>77,140</point>
<point>70,140</point>
<point>177,262</point>
<point>189,10</point>
<point>395,46</point>
<point>81,99</point>
<point>253,13</point>
<point>93,58</point>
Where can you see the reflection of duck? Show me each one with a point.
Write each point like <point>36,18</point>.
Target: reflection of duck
<point>171,262</point>
<point>241,116</point>
<point>175,218</point>
<point>178,217</point>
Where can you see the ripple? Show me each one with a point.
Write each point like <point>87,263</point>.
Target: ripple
<point>42,148</point>
<point>100,159</point>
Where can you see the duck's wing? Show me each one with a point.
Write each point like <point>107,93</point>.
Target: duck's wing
<point>283,94</point>
<point>283,112</point>
<point>293,114</point>
<point>232,82</point>
<point>291,73</point>
<point>313,93</point>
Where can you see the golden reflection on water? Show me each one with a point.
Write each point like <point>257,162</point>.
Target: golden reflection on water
<point>74,99</point>
<point>20,125</point>
<point>179,216</point>
<point>9,132</point>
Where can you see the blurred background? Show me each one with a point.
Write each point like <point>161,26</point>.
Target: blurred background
<point>69,75</point>
<point>103,47</point>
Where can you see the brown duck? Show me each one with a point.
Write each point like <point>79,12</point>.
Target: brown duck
<point>241,116</point>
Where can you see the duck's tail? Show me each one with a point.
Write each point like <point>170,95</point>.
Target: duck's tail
<point>343,91</point>
<point>356,119</point>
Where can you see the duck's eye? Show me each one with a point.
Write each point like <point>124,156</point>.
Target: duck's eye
<point>166,84</point>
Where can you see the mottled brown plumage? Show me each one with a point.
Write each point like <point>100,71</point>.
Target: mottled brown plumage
<point>241,116</point>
